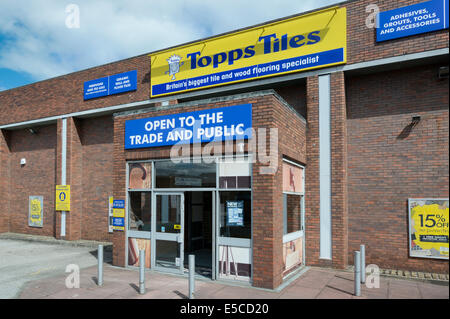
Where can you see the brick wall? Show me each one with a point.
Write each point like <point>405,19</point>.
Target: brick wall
<point>89,173</point>
<point>361,41</point>
<point>64,94</point>
<point>295,95</point>
<point>4,182</point>
<point>339,211</point>
<point>35,178</point>
<point>97,182</point>
<point>339,226</point>
<point>389,163</point>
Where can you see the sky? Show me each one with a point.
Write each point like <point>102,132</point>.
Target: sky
<point>41,39</point>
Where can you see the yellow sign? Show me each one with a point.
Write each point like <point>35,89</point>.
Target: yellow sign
<point>429,228</point>
<point>297,44</point>
<point>176,226</point>
<point>62,198</point>
<point>35,211</point>
<point>118,212</point>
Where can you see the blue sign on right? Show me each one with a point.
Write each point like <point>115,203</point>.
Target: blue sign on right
<point>414,19</point>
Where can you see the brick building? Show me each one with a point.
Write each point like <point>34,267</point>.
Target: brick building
<point>336,151</point>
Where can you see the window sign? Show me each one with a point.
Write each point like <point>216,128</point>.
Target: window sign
<point>235,213</point>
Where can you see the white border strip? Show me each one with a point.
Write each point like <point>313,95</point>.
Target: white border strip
<point>325,166</point>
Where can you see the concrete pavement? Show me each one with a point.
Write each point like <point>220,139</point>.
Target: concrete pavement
<point>314,283</point>
<point>23,261</point>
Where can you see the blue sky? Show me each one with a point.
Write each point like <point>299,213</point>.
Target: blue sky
<point>36,44</point>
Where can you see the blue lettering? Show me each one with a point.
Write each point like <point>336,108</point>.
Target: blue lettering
<point>249,51</point>
<point>294,42</point>
<point>204,61</point>
<point>267,42</point>
<point>217,61</point>
<point>232,57</point>
<point>313,37</point>
<point>284,42</point>
<point>193,57</point>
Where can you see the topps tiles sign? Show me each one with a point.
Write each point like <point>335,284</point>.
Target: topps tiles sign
<point>301,43</point>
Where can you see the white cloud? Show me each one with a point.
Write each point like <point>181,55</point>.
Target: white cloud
<point>35,40</point>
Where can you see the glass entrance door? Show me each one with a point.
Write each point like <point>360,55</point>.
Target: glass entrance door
<point>168,230</point>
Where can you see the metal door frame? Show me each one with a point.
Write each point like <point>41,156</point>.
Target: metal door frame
<point>179,238</point>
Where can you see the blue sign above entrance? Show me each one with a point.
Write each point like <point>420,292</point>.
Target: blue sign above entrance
<point>112,84</point>
<point>414,19</point>
<point>219,124</point>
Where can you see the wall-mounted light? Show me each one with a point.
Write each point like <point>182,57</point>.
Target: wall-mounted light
<point>443,72</point>
<point>23,161</point>
<point>32,130</point>
<point>408,128</point>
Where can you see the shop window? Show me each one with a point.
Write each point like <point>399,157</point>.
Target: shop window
<point>293,200</point>
<point>185,175</point>
<point>134,246</point>
<point>235,214</point>
<point>292,178</point>
<point>139,211</point>
<point>168,213</point>
<point>292,213</point>
<point>234,173</point>
<point>139,176</point>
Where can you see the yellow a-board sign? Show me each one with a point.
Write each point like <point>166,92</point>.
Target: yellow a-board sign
<point>305,42</point>
<point>62,202</point>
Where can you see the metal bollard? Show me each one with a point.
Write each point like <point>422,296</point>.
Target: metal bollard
<point>357,262</point>
<point>191,276</point>
<point>100,265</point>
<point>142,271</point>
<point>362,249</point>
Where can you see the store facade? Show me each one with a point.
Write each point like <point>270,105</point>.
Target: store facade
<point>259,151</point>
<point>200,198</point>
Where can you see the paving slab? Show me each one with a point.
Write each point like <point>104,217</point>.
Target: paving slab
<point>120,283</point>
<point>430,291</point>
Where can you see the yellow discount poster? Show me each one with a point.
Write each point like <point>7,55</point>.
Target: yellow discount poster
<point>428,223</point>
